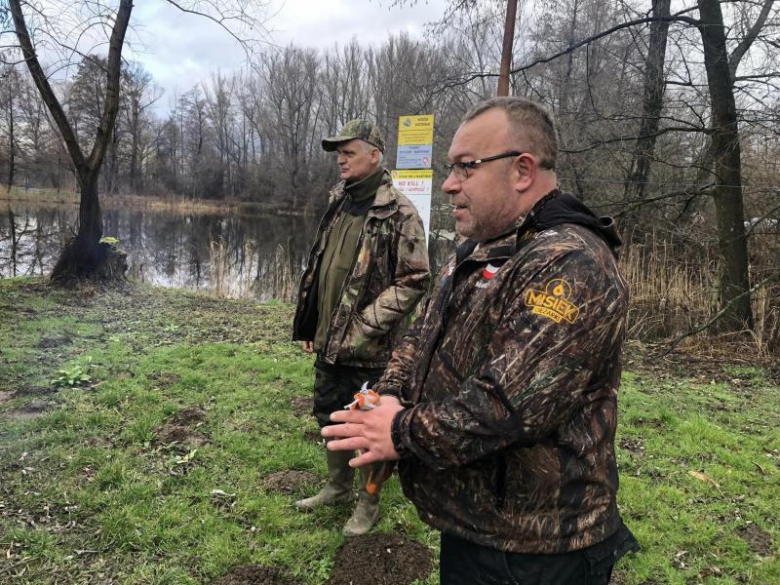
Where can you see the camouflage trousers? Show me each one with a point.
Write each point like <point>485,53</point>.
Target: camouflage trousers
<point>335,386</point>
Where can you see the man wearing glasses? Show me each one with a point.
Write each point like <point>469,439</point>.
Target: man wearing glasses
<point>366,272</point>
<point>501,401</point>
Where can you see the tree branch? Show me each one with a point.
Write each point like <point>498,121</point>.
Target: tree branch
<point>113,68</point>
<point>42,83</point>
<point>727,308</point>
<point>742,48</point>
<point>677,17</point>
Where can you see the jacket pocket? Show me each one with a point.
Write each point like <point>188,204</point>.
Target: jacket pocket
<point>360,345</point>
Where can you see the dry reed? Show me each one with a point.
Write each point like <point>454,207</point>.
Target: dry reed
<point>674,291</point>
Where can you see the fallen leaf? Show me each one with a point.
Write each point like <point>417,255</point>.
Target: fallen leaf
<point>705,478</point>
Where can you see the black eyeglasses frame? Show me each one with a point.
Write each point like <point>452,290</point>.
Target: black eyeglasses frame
<point>461,169</point>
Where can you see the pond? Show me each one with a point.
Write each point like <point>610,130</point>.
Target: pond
<point>231,255</point>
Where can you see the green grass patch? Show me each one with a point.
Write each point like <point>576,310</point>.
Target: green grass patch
<point>151,471</point>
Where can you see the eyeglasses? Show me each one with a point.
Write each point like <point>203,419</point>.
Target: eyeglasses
<point>461,169</point>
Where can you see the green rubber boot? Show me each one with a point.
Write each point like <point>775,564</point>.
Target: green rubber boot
<point>366,514</point>
<point>339,487</point>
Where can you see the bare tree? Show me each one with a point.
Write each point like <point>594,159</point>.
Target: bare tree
<point>652,105</point>
<point>85,256</point>
<point>139,95</point>
<point>9,113</point>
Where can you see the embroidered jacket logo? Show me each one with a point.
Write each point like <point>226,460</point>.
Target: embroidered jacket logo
<point>553,303</point>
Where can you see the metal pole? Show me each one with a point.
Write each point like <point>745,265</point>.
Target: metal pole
<point>506,52</point>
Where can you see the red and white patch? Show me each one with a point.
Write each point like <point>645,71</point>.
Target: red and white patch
<point>489,271</point>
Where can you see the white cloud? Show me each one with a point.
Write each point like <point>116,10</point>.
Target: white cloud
<point>181,50</point>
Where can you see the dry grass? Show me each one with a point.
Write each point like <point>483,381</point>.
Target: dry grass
<point>252,275</point>
<point>674,290</point>
<point>171,204</point>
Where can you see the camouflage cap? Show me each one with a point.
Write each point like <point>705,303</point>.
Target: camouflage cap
<point>362,129</point>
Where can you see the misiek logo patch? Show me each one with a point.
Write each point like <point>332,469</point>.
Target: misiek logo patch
<point>554,302</point>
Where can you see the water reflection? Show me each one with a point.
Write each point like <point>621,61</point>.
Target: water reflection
<point>257,257</point>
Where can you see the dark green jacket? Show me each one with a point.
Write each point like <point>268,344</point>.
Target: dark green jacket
<point>388,278</point>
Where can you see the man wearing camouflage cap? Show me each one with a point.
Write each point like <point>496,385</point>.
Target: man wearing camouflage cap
<point>501,401</point>
<point>366,272</point>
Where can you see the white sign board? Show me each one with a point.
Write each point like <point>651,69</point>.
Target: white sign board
<point>418,187</point>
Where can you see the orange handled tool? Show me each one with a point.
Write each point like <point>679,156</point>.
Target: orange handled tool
<point>380,471</point>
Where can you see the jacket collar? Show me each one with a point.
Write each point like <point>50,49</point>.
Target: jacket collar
<point>385,202</point>
<point>502,247</point>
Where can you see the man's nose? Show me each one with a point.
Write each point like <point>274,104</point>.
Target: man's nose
<point>451,184</point>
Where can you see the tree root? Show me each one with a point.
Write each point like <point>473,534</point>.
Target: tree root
<point>101,262</point>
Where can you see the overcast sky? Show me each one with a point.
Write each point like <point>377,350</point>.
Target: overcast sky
<point>180,50</point>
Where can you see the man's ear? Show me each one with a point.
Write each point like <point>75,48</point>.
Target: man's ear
<point>524,170</point>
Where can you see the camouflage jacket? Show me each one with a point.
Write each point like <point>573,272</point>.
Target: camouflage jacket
<point>510,381</point>
<point>388,278</point>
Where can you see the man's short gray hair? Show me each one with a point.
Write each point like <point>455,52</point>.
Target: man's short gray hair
<point>368,147</point>
<point>531,126</point>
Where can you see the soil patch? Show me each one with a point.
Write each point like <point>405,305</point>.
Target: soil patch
<point>759,541</point>
<point>289,481</point>
<point>704,363</point>
<point>182,430</point>
<point>56,341</point>
<point>634,445</point>
<point>381,559</point>
<point>188,416</point>
<point>256,575</point>
<point>774,373</point>
<point>5,396</point>
<point>655,424</point>
<point>29,411</point>
<point>301,406</point>
<point>36,391</point>
<point>314,437</point>
<point>164,380</point>
<point>169,435</point>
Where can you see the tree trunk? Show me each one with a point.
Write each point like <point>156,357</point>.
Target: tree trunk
<point>14,241</point>
<point>83,255</point>
<point>135,182</point>
<point>11,142</point>
<point>651,110</point>
<point>735,279</point>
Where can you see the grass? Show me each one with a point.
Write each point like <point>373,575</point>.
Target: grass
<point>90,494</point>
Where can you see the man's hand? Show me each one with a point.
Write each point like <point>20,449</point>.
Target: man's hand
<point>366,430</point>
<point>307,346</point>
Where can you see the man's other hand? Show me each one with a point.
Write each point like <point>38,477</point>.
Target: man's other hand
<point>365,430</point>
<point>307,346</point>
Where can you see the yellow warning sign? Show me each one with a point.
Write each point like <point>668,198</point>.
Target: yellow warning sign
<point>415,130</point>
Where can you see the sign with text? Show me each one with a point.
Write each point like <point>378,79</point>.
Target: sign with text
<point>417,186</point>
<point>414,156</point>
<point>415,151</point>
<point>415,142</point>
<point>414,130</point>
